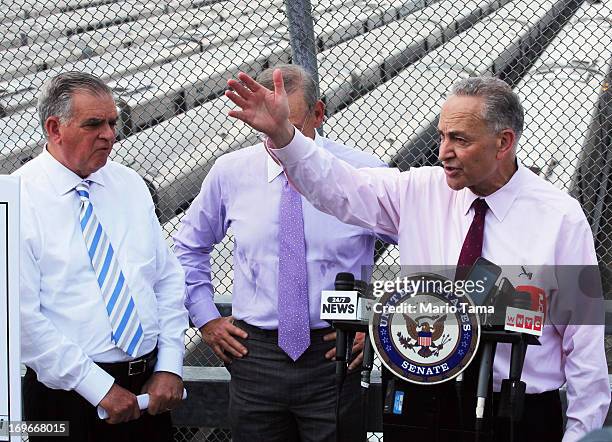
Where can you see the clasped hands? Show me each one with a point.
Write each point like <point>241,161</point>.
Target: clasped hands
<point>165,392</point>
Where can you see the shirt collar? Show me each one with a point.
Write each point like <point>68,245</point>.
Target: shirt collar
<point>63,179</point>
<point>501,200</point>
<point>275,169</point>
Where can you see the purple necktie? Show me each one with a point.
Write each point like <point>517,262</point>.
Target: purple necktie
<point>293,311</point>
<point>472,245</point>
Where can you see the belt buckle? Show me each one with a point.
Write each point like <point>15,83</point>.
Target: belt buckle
<point>137,367</point>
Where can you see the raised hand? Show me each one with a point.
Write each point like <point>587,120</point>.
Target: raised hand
<point>264,110</point>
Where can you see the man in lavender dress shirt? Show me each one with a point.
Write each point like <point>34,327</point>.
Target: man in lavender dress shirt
<point>273,391</point>
<point>529,223</point>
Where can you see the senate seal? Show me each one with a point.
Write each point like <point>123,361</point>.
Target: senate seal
<point>425,334</point>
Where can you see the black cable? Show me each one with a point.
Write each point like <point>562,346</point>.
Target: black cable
<point>338,394</point>
<point>342,349</point>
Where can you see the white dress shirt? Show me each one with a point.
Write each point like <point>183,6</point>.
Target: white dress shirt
<point>64,324</point>
<point>530,223</point>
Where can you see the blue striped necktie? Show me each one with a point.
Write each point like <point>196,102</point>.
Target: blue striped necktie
<point>127,330</point>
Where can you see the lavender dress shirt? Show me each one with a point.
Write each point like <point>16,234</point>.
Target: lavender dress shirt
<point>530,223</point>
<point>242,193</point>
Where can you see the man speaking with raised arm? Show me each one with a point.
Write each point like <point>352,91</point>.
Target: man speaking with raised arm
<point>481,195</point>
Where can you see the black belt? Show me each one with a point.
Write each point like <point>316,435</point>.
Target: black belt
<point>262,333</point>
<point>136,367</point>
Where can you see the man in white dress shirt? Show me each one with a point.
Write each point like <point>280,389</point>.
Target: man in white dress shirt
<point>434,209</point>
<point>102,296</point>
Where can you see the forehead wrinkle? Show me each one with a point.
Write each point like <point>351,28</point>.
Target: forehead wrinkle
<point>460,121</point>
<point>94,111</point>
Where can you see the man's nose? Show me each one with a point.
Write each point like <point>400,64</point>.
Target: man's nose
<point>445,150</point>
<point>108,132</point>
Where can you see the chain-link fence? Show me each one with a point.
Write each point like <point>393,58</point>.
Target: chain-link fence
<point>384,68</point>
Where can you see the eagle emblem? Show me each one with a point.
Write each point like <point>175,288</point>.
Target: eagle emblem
<point>430,339</point>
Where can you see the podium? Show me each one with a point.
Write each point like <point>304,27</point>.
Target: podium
<point>10,366</point>
<point>446,412</point>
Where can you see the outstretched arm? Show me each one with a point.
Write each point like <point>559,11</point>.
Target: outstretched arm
<point>367,197</point>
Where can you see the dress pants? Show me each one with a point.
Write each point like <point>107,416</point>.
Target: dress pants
<point>542,420</point>
<point>274,399</point>
<point>45,404</point>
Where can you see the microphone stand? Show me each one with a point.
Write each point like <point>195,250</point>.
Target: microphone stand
<point>345,335</point>
<point>482,387</point>
<point>366,370</point>
<point>341,367</point>
<point>513,389</point>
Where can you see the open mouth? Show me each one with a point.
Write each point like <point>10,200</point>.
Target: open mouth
<point>452,172</point>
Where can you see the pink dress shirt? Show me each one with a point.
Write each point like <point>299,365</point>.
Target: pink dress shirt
<point>530,223</point>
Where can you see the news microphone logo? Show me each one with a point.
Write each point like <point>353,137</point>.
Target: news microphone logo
<point>338,305</point>
<point>524,321</point>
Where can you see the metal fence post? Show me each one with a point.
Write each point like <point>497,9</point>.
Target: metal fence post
<point>301,34</point>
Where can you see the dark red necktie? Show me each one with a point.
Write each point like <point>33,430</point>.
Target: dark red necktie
<point>472,245</point>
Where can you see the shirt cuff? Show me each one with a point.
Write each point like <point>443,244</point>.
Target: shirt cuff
<point>95,385</point>
<point>202,312</point>
<point>170,360</point>
<point>296,150</point>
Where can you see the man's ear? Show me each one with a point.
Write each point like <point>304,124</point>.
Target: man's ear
<point>52,127</point>
<point>319,113</point>
<point>505,142</point>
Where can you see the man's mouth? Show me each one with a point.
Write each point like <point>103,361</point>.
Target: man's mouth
<point>451,171</point>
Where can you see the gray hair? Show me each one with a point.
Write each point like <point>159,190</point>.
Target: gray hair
<point>295,78</point>
<point>502,108</point>
<point>55,98</point>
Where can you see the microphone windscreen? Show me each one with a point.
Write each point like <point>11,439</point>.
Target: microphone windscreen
<point>521,300</point>
<point>345,281</point>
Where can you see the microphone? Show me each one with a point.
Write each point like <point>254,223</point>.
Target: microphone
<point>520,318</point>
<point>521,301</point>
<point>337,303</point>
<point>520,315</point>
<point>484,374</point>
<point>368,362</point>
<point>504,299</point>
<point>366,370</point>
<point>345,282</point>
<point>483,275</point>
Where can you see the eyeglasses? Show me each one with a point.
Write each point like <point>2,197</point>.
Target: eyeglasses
<point>262,136</point>
<point>301,126</point>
